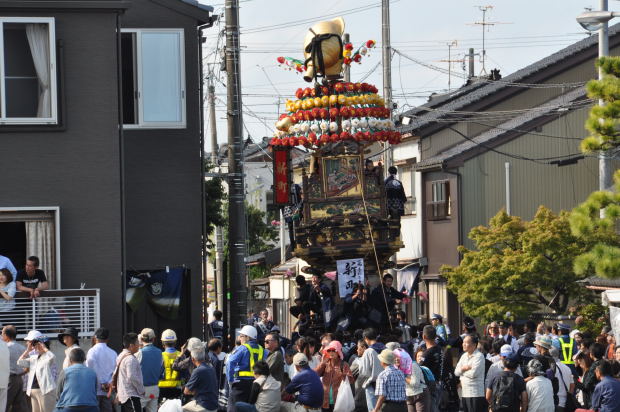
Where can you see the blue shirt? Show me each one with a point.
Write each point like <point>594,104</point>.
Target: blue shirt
<point>204,385</point>
<point>606,396</point>
<point>152,365</point>
<point>5,263</point>
<point>309,387</point>
<point>566,339</point>
<point>78,387</point>
<point>391,384</point>
<point>239,360</point>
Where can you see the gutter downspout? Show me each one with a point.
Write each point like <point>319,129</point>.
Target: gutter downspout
<point>203,201</point>
<point>203,222</point>
<point>203,205</point>
<point>121,169</point>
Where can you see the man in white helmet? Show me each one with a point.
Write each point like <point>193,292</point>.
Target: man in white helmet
<point>240,366</point>
<point>170,384</point>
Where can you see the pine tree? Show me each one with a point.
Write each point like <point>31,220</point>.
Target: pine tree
<point>604,127</point>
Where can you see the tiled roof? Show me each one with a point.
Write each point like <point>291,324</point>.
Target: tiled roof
<point>472,93</point>
<point>601,282</point>
<point>488,136</point>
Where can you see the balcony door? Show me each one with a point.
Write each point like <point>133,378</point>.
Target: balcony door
<point>32,232</point>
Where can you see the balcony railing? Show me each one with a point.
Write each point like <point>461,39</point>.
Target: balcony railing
<point>54,311</point>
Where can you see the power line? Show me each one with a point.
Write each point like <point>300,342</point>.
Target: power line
<point>293,23</point>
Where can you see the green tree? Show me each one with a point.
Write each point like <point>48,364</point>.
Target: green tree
<point>604,125</point>
<point>585,220</point>
<point>604,120</point>
<point>214,197</point>
<point>518,266</point>
<point>591,318</point>
<point>261,238</point>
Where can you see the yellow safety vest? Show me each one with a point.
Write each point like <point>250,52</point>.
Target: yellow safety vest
<point>258,352</point>
<point>567,351</point>
<point>171,377</point>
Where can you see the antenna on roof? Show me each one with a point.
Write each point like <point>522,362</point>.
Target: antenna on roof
<point>484,23</point>
<point>450,45</point>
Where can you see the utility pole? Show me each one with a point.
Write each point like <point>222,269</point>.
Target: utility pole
<point>386,60</point>
<point>237,235</point>
<point>605,171</point>
<point>347,67</point>
<point>219,238</point>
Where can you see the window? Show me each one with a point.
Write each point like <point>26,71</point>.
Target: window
<point>439,207</point>
<point>153,69</point>
<point>407,176</point>
<point>27,71</point>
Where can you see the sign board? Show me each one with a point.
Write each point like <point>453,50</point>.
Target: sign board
<point>350,272</point>
<point>281,183</point>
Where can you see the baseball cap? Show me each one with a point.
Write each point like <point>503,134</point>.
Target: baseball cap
<point>148,333</point>
<point>300,360</point>
<point>506,350</point>
<point>34,335</point>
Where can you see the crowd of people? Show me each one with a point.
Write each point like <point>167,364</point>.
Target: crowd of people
<point>500,369</point>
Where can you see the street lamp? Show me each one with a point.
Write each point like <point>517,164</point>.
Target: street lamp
<point>594,20</point>
<point>591,21</point>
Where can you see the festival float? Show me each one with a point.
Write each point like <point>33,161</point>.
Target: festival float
<point>344,214</point>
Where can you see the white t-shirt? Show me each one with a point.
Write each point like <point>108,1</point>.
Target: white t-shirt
<point>540,395</point>
<point>563,373</point>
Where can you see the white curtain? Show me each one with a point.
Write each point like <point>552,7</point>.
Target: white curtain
<point>40,242</point>
<point>38,39</point>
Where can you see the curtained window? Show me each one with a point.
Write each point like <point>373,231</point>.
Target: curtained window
<point>40,240</point>
<point>27,71</point>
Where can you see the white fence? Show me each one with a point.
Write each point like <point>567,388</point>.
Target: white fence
<point>54,311</point>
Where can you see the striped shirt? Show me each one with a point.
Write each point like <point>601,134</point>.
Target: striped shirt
<point>391,385</point>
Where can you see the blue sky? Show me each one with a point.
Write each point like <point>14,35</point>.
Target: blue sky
<point>420,29</point>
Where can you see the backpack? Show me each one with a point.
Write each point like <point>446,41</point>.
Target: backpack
<point>505,397</point>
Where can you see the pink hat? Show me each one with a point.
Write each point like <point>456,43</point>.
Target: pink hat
<point>336,346</point>
<point>405,361</point>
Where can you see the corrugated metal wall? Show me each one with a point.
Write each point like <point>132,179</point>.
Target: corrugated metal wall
<point>532,184</point>
<point>527,98</point>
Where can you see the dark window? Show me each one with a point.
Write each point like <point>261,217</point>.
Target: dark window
<point>439,206</point>
<point>130,89</point>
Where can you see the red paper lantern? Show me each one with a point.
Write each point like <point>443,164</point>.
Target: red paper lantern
<point>345,135</point>
<point>324,138</point>
<point>299,93</point>
<point>333,113</point>
<point>339,88</point>
<point>324,113</point>
<point>334,137</point>
<point>350,86</point>
<point>348,46</point>
<point>347,60</point>
<point>316,113</point>
<point>325,90</point>
<point>307,92</point>
<point>344,111</point>
<point>312,137</point>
